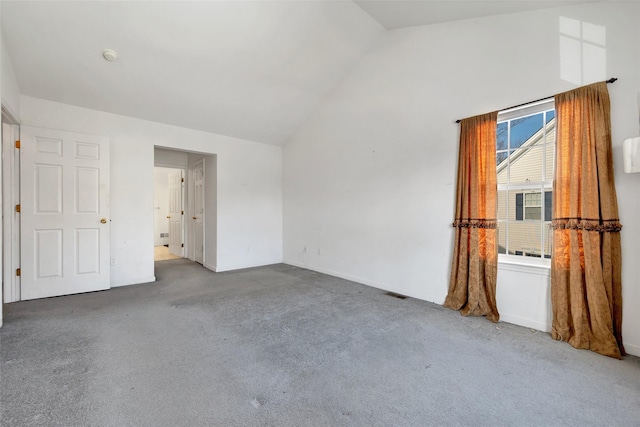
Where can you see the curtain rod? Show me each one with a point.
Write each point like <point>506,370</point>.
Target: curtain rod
<point>611,80</point>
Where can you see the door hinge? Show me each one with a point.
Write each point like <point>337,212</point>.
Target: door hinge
<point>18,208</point>
<point>18,272</point>
<point>18,144</point>
<point>182,245</point>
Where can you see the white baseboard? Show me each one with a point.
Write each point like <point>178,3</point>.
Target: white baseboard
<point>118,283</point>
<point>209,267</point>
<point>384,287</point>
<point>243,266</point>
<point>528,323</point>
<point>632,349</point>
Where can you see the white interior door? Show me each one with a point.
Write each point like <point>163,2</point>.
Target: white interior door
<point>198,211</point>
<point>175,213</point>
<point>64,190</point>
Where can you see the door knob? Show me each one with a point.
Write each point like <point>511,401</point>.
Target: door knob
<point>169,216</point>
<point>194,217</point>
<point>103,220</point>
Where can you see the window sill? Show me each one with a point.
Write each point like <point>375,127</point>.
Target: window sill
<point>524,265</point>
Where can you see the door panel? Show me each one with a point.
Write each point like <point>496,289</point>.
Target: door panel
<point>48,189</point>
<point>88,190</point>
<point>88,251</point>
<point>198,217</point>
<point>48,252</point>
<point>64,187</point>
<point>175,213</point>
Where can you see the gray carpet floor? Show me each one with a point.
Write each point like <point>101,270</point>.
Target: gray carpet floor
<point>283,346</point>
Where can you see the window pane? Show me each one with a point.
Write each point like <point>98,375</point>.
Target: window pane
<point>551,135</point>
<point>533,199</point>
<point>532,212</point>
<point>523,129</point>
<point>500,156</point>
<point>502,204</point>
<point>550,115</point>
<point>524,238</point>
<point>550,154</point>
<point>526,165</point>
<point>501,136</point>
<point>548,234</point>
<point>502,237</point>
<point>502,167</point>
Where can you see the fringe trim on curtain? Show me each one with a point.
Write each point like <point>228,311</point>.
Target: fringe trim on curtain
<point>601,226</point>
<point>475,223</point>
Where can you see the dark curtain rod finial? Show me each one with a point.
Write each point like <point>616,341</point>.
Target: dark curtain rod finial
<point>611,80</point>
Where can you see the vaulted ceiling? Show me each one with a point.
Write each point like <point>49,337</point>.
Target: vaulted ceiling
<point>393,14</point>
<point>249,69</point>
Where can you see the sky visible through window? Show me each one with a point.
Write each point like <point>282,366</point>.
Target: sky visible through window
<point>521,130</point>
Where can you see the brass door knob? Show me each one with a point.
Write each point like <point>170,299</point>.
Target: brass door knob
<point>194,217</point>
<point>103,220</point>
<point>169,216</point>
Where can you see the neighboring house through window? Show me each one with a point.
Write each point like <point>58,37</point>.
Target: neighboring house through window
<point>525,165</point>
<point>529,206</point>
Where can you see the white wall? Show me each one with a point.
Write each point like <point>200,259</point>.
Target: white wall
<point>369,179</point>
<point>170,158</point>
<point>10,94</point>
<point>249,187</point>
<point>211,213</point>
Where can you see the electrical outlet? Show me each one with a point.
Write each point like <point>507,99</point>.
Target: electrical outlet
<point>113,261</point>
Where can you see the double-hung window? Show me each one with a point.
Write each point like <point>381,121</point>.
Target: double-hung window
<point>525,151</point>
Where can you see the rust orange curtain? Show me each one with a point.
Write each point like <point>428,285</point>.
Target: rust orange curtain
<point>474,269</point>
<point>586,292</point>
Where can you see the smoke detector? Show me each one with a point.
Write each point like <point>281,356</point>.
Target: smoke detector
<point>110,55</point>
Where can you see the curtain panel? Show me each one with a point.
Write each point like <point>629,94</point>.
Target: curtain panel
<point>474,268</point>
<point>586,291</point>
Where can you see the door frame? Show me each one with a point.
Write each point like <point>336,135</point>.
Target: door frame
<point>210,235</point>
<point>11,220</point>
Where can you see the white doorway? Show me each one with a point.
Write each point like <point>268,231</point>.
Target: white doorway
<point>199,204</point>
<point>168,213</point>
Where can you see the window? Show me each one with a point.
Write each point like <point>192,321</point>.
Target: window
<point>525,159</point>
